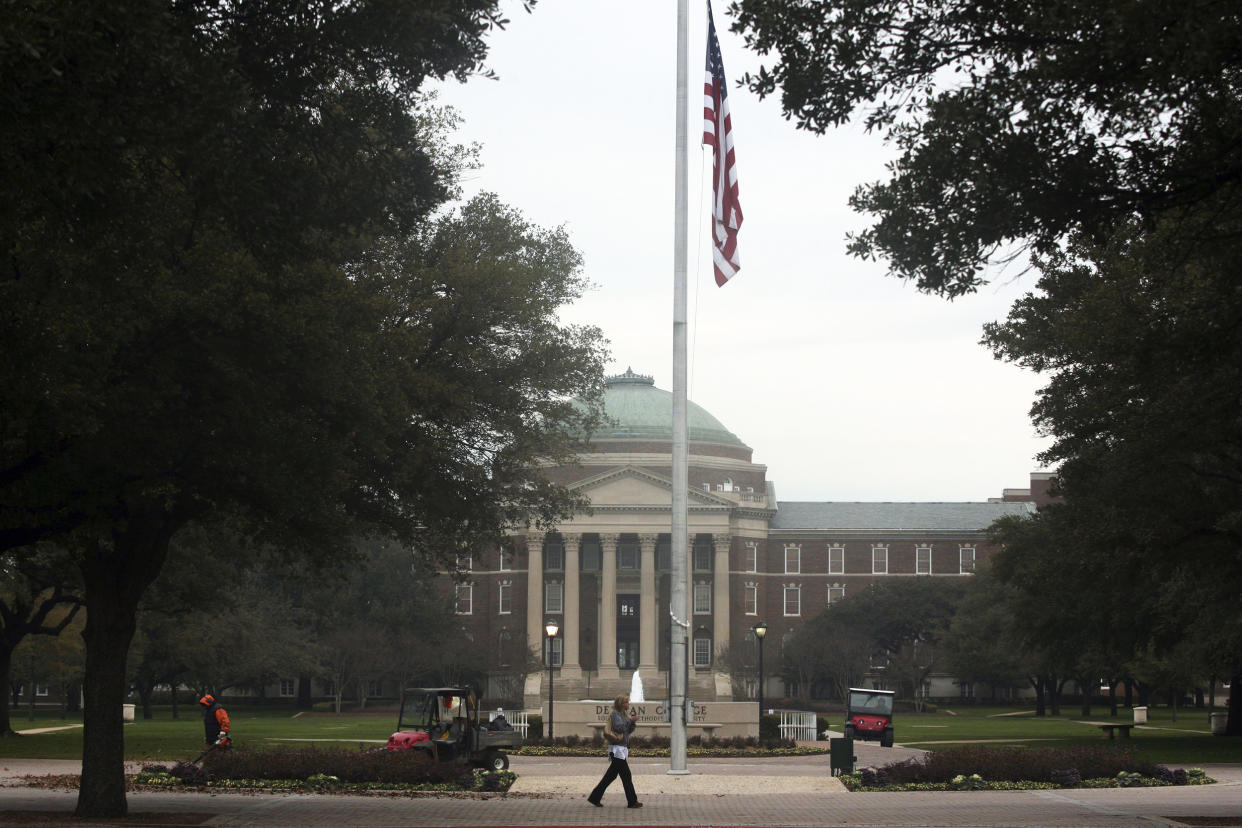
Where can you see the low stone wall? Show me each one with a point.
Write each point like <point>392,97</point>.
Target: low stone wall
<point>715,719</point>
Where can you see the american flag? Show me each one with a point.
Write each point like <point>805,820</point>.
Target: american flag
<point>718,133</point>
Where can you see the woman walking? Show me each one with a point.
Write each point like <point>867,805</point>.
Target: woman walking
<point>617,732</point>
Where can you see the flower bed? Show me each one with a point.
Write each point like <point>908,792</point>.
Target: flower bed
<point>658,747</point>
<point>978,767</point>
<point>317,769</point>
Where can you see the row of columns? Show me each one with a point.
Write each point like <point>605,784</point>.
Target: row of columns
<point>648,626</point>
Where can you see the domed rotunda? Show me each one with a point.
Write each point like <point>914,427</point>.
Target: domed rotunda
<point>603,576</point>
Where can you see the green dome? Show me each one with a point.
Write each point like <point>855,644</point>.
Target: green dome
<point>636,409</point>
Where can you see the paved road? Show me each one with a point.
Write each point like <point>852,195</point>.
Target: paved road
<point>717,792</point>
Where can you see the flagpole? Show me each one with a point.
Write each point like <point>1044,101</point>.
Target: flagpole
<point>678,604</point>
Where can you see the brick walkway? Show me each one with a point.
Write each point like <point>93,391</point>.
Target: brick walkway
<point>748,800</point>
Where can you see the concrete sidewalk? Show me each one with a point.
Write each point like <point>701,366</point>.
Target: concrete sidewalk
<point>717,792</point>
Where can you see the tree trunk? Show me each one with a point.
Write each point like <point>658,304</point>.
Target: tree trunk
<point>145,690</point>
<point>305,701</point>
<point>30,702</point>
<point>1085,686</point>
<point>1037,682</point>
<point>1129,693</point>
<point>1233,726</point>
<point>115,576</point>
<point>6,665</point>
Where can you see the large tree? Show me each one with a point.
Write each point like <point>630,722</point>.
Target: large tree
<point>220,292</point>
<point>1014,122</point>
<point>1142,342</point>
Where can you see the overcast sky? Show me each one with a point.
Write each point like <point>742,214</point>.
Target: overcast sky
<point>847,383</point>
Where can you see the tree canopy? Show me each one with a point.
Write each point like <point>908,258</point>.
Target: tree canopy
<point>1014,122</point>
<point>228,287</point>
<point>1141,337</point>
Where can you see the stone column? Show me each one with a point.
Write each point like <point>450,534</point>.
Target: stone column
<point>534,592</point>
<point>648,659</point>
<point>570,668</point>
<point>720,595</point>
<point>608,607</point>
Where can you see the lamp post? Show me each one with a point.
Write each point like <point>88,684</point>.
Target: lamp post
<point>551,628</point>
<point>760,630</point>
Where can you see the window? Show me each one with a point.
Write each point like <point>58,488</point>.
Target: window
<point>554,555</point>
<point>664,553</point>
<point>627,555</point>
<point>375,689</point>
<point>752,557</point>
<point>751,599</point>
<point>505,593</point>
<point>554,597</point>
<point>465,599</point>
<point>702,557</point>
<point>793,560</point>
<point>41,690</point>
<point>835,593</point>
<point>506,561</point>
<point>502,646</point>
<point>702,599</point>
<point>558,651</point>
<point>702,652</point>
<point>463,563</point>
<point>286,688</point>
<point>967,554</point>
<point>879,560</point>
<point>793,600</point>
<point>922,560</point>
<point>836,560</point>
<point>591,555</point>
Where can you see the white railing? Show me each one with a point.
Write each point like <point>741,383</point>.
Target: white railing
<point>518,718</point>
<point>797,725</point>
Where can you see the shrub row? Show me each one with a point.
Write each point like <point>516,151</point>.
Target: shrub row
<point>746,743</point>
<point>1013,764</point>
<point>348,765</point>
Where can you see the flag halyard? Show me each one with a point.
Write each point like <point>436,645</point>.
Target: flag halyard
<point>718,133</point>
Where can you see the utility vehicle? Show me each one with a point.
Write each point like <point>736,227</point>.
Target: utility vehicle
<point>443,722</point>
<point>869,715</point>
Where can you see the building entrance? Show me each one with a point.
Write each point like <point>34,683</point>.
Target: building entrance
<point>627,632</point>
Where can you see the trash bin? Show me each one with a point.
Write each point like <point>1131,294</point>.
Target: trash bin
<point>1140,715</point>
<point>127,712</point>
<point>1219,722</point>
<point>841,756</point>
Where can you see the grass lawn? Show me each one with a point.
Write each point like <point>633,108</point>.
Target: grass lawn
<point>1185,742</point>
<point>165,739</point>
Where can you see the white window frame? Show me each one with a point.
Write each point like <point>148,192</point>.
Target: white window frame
<point>695,551</point>
<point>702,599</point>
<point>793,564</point>
<point>750,599</point>
<point>922,560</point>
<point>752,556</point>
<point>506,563</point>
<point>469,563</point>
<point>702,651</point>
<point>836,593</point>
<point>879,559</point>
<point>558,650</point>
<point>41,690</point>
<point>504,598</point>
<point>553,597</point>
<point>836,560</point>
<point>288,688</point>
<point>464,595</point>
<point>966,560</point>
<point>554,548</point>
<point>795,591</point>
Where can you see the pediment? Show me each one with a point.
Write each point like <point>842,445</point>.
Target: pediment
<point>633,486</point>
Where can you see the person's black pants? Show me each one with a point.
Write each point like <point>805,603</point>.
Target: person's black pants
<point>616,767</point>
